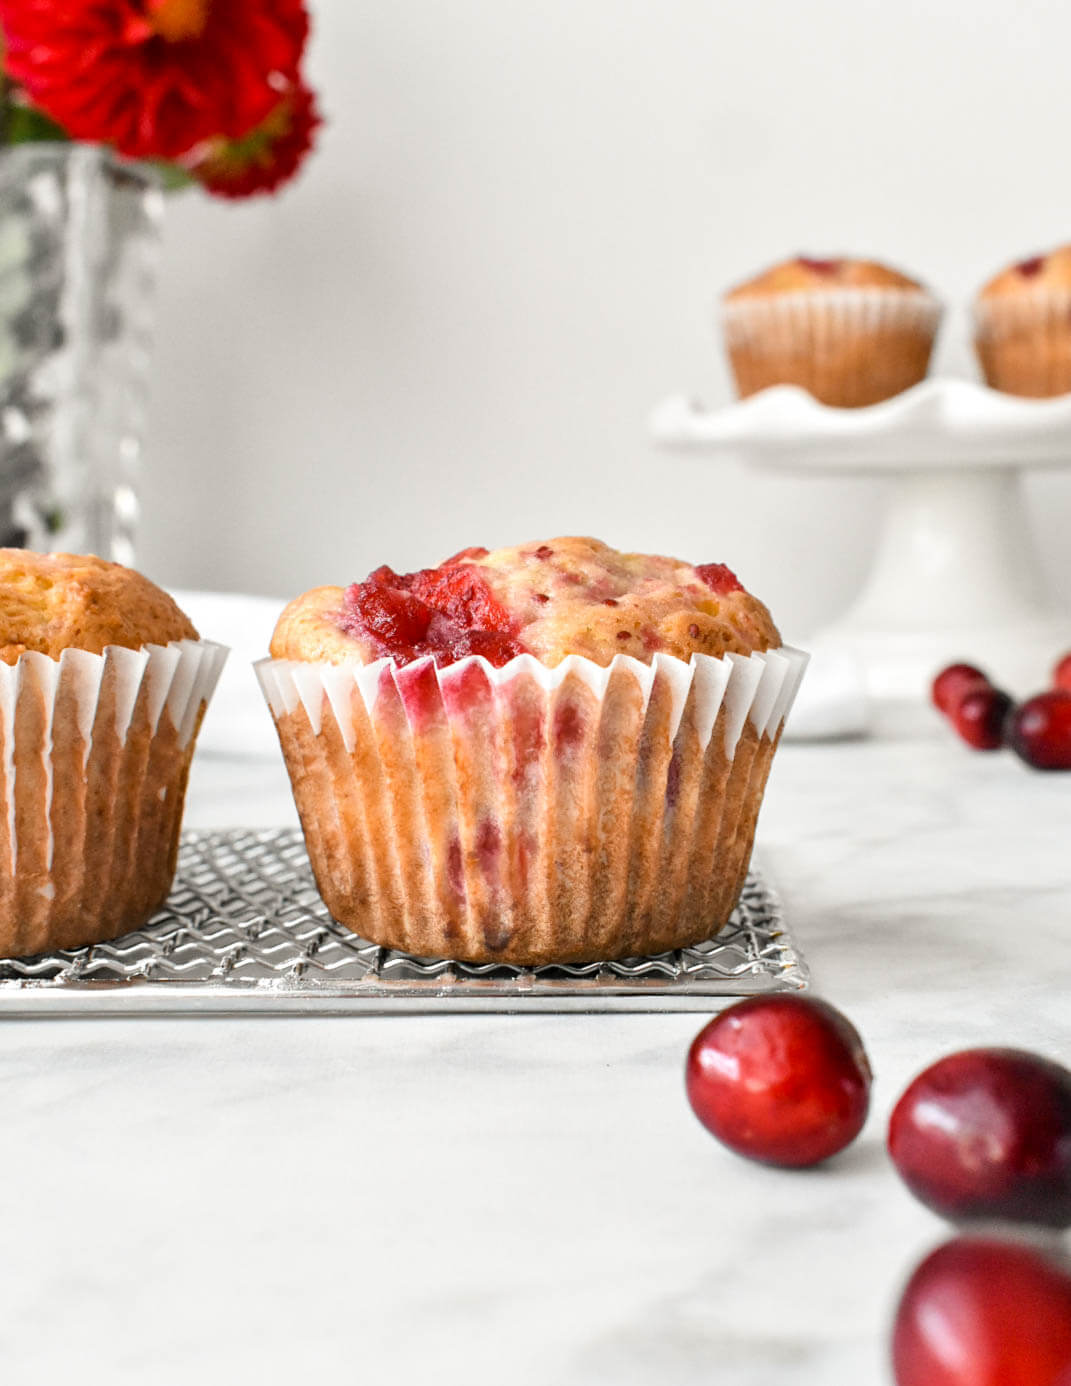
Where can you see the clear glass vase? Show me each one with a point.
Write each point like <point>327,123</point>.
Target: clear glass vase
<point>79,246</point>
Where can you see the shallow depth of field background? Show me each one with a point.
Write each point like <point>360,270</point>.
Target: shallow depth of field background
<point>452,329</point>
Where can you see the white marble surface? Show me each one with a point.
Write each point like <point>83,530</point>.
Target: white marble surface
<point>483,1199</point>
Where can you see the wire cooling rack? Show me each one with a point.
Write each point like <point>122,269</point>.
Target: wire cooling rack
<point>244,931</point>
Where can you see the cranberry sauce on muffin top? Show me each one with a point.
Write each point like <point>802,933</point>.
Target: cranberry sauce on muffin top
<point>565,596</point>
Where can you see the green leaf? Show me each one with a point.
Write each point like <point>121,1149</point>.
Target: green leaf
<point>23,124</point>
<point>173,177</point>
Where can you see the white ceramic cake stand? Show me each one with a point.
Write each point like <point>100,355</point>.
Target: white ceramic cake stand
<point>955,573</point>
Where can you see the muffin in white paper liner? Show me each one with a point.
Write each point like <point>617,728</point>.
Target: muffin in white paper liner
<point>95,754</point>
<point>1023,341</point>
<point>530,814</point>
<point>848,347</point>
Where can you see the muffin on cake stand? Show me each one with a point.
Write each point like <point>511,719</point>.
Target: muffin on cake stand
<point>955,573</point>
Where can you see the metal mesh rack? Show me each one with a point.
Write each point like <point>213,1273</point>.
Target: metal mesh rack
<point>244,931</point>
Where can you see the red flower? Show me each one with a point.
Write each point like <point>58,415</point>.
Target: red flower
<point>153,78</point>
<point>266,157</point>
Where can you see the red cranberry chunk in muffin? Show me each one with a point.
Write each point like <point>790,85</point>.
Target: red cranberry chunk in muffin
<point>565,596</point>
<point>446,612</point>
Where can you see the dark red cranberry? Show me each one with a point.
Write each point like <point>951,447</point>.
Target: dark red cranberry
<point>952,683</point>
<point>980,718</point>
<point>541,598</point>
<point>1029,268</point>
<point>827,267</point>
<point>1039,731</point>
<point>986,1133</point>
<point>392,616</point>
<point>544,551</point>
<point>624,635</point>
<point>447,612</point>
<point>781,1079</point>
<point>1061,675</point>
<point>982,1312</point>
<point>693,631</point>
<point>384,576</point>
<point>461,593</point>
<point>493,645</point>
<point>719,578</point>
<point>610,601</point>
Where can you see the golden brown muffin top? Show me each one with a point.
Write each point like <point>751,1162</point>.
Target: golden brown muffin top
<point>566,596</point>
<point>50,602</point>
<point>805,274</point>
<point>1049,271</point>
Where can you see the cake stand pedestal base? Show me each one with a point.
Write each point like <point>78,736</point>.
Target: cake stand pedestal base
<point>954,577</point>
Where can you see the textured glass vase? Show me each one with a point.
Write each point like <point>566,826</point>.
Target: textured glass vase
<point>79,243</point>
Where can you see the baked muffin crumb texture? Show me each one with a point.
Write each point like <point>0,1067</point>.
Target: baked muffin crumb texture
<point>52,602</point>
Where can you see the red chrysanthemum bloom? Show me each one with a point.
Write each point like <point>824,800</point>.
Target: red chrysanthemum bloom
<point>153,78</point>
<point>265,158</point>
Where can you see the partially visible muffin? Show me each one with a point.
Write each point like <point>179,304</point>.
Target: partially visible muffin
<point>51,602</point>
<point>1022,321</point>
<point>852,332</point>
<point>103,683</point>
<point>566,596</point>
<point>586,788</point>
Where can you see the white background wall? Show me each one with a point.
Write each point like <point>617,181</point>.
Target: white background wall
<point>452,329</point>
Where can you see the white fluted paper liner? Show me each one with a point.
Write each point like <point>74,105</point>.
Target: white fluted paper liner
<point>846,346</point>
<point>872,309</point>
<point>531,814</point>
<point>95,754</point>
<point>1008,313</point>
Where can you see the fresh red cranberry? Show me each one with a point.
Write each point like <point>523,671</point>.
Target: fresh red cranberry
<point>719,578</point>
<point>986,1133</point>
<point>828,267</point>
<point>952,683</point>
<point>982,1312</point>
<point>980,718</point>
<point>1029,268</point>
<point>781,1079</point>
<point>1039,731</point>
<point>1061,675</point>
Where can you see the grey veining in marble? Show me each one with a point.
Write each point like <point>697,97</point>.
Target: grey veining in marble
<point>528,1200</point>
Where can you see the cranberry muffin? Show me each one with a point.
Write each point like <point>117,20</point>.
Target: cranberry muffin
<point>103,683</point>
<point>852,332</point>
<point>548,753</point>
<point>1022,326</point>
